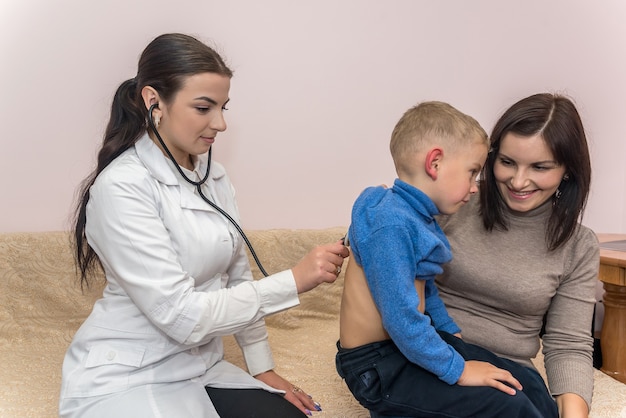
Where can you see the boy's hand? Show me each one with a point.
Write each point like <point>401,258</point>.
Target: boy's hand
<point>481,373</point>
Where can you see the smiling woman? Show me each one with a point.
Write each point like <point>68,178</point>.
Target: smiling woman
<point>525,171</point>
<point>546,134</point>
<point>524,269</point>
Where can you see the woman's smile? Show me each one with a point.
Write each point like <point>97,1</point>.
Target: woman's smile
<point>521,195</point>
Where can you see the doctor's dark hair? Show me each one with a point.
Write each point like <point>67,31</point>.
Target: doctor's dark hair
<point>164,65</point>
<point>556,119</point>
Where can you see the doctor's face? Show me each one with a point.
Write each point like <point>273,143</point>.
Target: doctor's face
<point>195,115</point>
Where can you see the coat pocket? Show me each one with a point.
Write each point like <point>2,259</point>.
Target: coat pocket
<point>102,354</point>
<point>105,369</point>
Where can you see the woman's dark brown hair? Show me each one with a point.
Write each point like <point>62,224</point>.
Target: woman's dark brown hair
<point>164,65</point>
<point>556,119</point>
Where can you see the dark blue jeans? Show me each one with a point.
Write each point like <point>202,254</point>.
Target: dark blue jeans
<point>385,382</point>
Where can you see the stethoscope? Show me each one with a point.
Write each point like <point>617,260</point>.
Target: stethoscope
<point>199,184</point>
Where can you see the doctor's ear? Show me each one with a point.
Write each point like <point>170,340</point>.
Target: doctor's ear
<point>432,161</point>
<point>150,97</point>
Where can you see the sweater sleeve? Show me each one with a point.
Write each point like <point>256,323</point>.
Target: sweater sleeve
<point>389,262</point>
<point>437,311</point>
<point>567,343</point>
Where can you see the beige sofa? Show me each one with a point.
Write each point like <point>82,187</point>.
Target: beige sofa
<point>41,306</point>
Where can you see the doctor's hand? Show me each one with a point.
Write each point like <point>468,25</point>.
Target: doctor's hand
<point>293,394</point>
<point>321,265</point>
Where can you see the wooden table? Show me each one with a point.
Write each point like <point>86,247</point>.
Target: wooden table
<point>613,336</point>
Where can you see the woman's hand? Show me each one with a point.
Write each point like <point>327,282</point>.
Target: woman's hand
<point>293,394</point>
<point>321,265</point>
<point>481,373</point>
<point>572,406</point>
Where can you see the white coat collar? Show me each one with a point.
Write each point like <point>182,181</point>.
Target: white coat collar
<point>157,164</point>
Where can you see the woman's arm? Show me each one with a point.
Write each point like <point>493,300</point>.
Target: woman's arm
<point>127,230</point>
<point>567,343</point>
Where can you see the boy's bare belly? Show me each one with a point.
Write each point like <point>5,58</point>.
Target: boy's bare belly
<point>360,322</point>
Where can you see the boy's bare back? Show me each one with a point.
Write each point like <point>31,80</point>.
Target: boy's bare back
<point>360,322</point>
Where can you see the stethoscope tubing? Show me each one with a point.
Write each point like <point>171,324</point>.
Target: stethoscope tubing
<point>198,185</point>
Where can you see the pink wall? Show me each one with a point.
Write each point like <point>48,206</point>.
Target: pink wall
<point>318,87</point>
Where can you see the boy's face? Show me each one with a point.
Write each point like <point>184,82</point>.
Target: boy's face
<point>457,176</point>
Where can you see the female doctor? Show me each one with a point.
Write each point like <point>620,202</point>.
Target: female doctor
<point>160,218</point>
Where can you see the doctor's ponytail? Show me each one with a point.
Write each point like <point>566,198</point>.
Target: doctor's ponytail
<point>164,65</point>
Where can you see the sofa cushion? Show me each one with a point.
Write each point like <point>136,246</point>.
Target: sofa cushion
<point>42,306</point>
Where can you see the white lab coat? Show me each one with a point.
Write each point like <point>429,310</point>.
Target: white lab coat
<point>178,279</point>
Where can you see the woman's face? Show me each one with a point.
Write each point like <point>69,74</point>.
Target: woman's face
<point>191,121</point>
<point>525,171</point>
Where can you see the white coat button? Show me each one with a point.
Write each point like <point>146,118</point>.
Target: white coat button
<point>110,355</point>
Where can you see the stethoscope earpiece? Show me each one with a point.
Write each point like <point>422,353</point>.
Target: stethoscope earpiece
<point>152,107</point>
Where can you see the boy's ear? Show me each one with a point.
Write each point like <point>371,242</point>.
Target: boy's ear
<point>433,159</point>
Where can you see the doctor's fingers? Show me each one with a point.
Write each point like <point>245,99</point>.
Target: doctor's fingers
<point>337,248</point>
<point>302,400</point>
<point>333,253</point>
<point>313,270</point>
<point>330,259</point>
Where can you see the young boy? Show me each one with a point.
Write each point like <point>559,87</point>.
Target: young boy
<point>396,348</point>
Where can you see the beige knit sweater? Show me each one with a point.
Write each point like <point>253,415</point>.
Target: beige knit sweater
<point>500,284</point>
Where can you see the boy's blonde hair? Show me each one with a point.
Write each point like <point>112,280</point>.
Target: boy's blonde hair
<point>428,123</point>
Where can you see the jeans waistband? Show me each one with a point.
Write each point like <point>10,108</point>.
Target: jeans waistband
<point>378,345</point>
<point>349,358</point>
